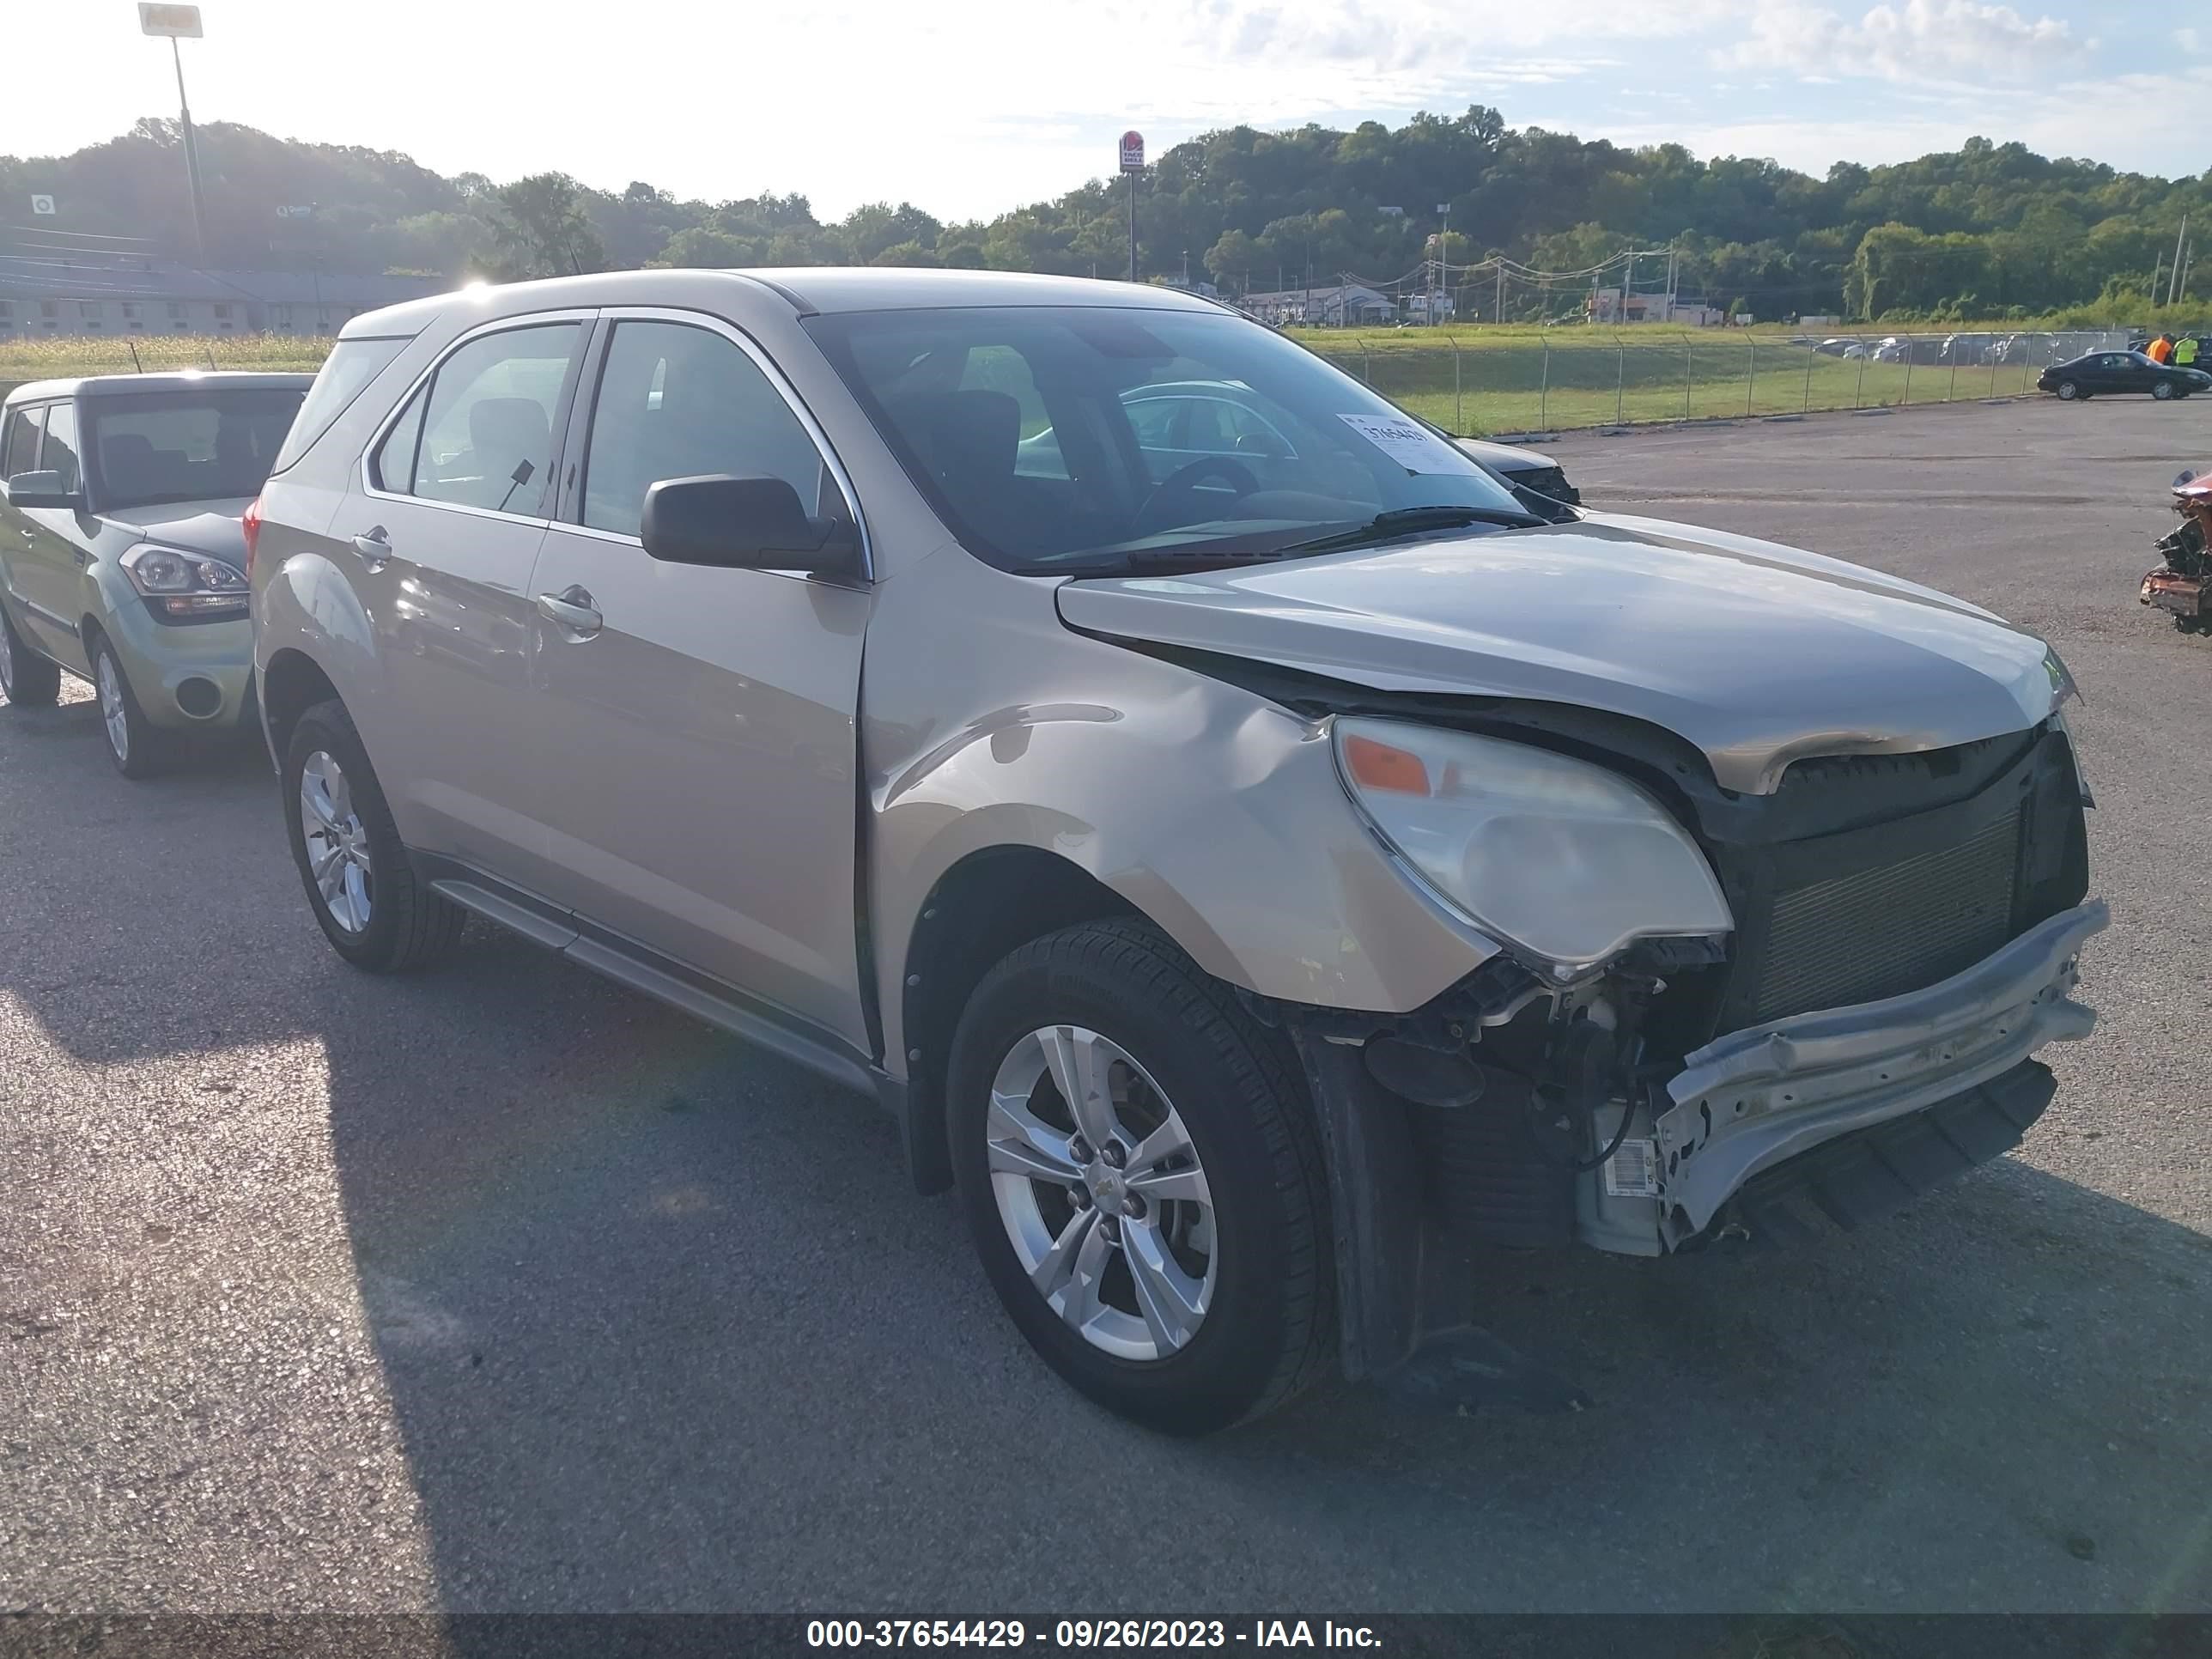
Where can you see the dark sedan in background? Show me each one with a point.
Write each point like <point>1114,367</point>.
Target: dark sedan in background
<point>2103,372</point>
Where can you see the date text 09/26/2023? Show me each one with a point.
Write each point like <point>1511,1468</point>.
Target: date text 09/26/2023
<point>1086,1633</point>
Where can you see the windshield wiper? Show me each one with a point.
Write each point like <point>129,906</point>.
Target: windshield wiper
<point>1413,521</point>
<point>1199,558</point>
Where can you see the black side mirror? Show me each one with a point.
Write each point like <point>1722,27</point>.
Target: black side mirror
<point>43,489</point>
<point>743,523</point>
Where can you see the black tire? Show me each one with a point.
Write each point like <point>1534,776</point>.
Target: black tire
<point>2070,391</point>
<point>2161,389</point>
<point>27,679</point>
<point>409,926</point>
<point>140,748</point>
<point>1268,1329</point>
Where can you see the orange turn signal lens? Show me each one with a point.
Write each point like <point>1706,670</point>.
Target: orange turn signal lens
<point>1379,766</point>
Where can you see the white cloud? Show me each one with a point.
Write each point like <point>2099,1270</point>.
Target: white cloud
<point>2190,40</point>
<point>1949,40</point>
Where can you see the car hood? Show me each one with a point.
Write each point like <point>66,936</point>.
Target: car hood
<point>211,527</point>
<point>1511,458</point>
<point>1757,653</point>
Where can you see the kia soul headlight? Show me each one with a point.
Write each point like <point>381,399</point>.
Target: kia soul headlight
<point>183,584</point>
<point>1560,860</point>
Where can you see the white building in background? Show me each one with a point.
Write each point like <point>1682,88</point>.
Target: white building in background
<point>1339,305</point>
<point>45,297</point>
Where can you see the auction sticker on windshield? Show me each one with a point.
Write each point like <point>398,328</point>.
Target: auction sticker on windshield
<point>1409,443</point>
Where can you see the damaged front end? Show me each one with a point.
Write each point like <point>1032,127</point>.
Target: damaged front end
<point>1903,934</point>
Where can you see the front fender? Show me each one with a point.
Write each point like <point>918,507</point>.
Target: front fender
<point>1215,813</point>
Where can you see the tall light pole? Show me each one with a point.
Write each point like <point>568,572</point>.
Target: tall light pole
<point>176,23</point>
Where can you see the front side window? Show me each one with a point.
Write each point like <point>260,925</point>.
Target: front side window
<point>58,454</point>
<point>487,437</point>
<point>187,445</point>
<point>22,453</point>
<point>1128,437</point>
<point>679,402</point>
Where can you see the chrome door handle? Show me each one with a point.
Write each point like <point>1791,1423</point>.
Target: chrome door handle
<point>573,609</point>
<point>374,548</point>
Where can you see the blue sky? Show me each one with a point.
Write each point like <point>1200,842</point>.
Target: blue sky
<point>971,106</point>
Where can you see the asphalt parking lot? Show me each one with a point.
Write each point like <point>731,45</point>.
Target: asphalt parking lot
<point>505,1288</point>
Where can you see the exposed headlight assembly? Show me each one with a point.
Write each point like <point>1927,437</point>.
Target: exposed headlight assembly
<point>183,585</point>
<point>1564,861</point>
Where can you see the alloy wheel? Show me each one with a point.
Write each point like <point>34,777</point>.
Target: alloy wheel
<point>114,714</point>
<point>337,843</point>
<point>1100,1188</point>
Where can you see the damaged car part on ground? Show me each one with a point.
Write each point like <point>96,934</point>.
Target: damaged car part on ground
<point>2181,584</point>
<point>1238,869</point>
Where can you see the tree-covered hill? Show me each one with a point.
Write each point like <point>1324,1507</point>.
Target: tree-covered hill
<point>1977,231</point>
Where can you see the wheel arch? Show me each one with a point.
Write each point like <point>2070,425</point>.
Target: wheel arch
<point>987,905</point>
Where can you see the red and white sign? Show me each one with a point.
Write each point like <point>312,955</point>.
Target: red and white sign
<point>1132,152</point>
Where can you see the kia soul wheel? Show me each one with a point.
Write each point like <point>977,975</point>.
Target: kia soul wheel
<point>27,679</point>
<point>1139,1173</point>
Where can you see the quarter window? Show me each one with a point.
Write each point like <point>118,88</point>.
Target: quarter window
<point>487,423</point>
<point>678,401</point>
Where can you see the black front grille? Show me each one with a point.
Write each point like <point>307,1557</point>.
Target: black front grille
<point>1892,928</point>
<point>1866,876</point>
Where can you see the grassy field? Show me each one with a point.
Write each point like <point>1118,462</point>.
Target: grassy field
<point>1471,380</point>
<point>1511,381</point>
<point>59,356</point>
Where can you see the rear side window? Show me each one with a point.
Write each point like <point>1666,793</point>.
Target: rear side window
<point>351,366</point>
<point>487,423</point>
<point>22,440</point>
<point>60,454</point>
<point>678,401</point>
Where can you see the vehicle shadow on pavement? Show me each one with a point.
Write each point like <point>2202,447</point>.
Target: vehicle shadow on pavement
<point>665,1327</point>
<point>661,1325</point>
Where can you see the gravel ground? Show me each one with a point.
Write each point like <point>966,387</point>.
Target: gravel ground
<point>504,1289</point>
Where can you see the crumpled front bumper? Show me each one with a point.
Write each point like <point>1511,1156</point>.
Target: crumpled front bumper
<point>1756,1098</point>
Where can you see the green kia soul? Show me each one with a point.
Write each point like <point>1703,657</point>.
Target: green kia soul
<point>123,548</point>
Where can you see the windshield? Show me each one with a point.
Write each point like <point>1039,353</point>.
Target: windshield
<point>1068,440</point>
<point>201,446</point>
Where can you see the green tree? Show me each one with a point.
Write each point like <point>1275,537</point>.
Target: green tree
<point>539,228</point>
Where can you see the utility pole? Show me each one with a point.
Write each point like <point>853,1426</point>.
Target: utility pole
<point>2188,265</point>
<point>1443,258</point>
<point>1627,284</point>
<point>1498,315</point>
<point>2172,281</point>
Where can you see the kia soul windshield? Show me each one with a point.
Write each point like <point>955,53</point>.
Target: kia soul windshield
<point>1068,440</point>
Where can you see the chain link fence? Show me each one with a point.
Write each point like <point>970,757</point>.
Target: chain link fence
<point>1590,378</point>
